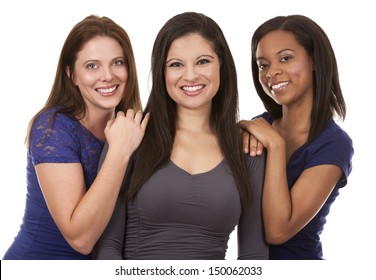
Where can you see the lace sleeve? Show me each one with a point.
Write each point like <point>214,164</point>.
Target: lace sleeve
<point>55,141</point>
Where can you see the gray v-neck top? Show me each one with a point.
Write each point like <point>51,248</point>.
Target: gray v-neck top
<point>177,215</point>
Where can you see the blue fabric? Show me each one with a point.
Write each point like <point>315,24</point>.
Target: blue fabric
<point>332,146</point>
<point>65,141</point>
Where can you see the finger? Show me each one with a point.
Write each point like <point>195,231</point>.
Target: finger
<point>253,143</point>
<point>245,141</point>
<point>145,121</point>
<point>108,125</point>
<point>260,148</point>
<point>243,125</point>
<point>130,113</point>
<point>120,113</point>
<point>138,116</point>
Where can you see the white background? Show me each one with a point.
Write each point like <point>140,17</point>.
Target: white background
<point>33,32</point>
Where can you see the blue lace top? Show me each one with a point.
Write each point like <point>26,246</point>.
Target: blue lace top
<point>64,140</point>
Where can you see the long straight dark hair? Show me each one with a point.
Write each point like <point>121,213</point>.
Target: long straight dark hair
<point>155,149</point>
<point>328,98</point>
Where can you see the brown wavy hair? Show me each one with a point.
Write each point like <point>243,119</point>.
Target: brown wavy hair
<point>64,94</point>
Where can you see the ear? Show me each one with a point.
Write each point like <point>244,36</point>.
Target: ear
<point>68,72</point>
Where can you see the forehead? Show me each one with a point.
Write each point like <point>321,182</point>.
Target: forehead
<point>276,41</point>
<point>100,47</point>
<point>189,44</point>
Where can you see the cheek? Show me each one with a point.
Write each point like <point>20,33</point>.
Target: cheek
<point>263,81</point>
<point>122,74</point>
<point>214,76</point>
<point>302,70</point>
<point>170,81</point>
<point>172,77</point>
<point>264,84</point>
<point>85,79</point>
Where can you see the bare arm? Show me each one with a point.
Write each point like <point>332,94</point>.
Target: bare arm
<point>287,212</point>
<point>82,216</point>
<point>110,245</point>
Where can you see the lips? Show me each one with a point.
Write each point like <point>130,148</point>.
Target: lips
<point>192,90</point>
<point>279,86</point>
<point>107,91</point>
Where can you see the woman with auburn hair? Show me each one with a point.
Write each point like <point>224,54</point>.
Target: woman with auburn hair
<point>94,98</point>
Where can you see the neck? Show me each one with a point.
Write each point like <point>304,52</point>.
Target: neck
<point>297,117</point>
<point>96,123</point>
<point>193,120</point>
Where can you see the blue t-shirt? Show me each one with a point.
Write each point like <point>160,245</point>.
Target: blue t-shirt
<point>65,141</point>
<point>332,146</point>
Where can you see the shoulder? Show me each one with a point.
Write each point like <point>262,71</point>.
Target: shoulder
<point>333,138</point>
<point>52,118</point>
<point>334,131</point>
<point>265,116</point>
<point>50,125</point>
<point>332,146</point>
<point>255,162</point>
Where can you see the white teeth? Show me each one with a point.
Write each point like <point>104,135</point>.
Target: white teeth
<point>106,90</point>
<point>279,85</point>
<point>193,88</point>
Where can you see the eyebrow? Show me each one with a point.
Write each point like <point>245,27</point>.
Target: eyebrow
<point>201,56</point>
<point>283,50</point>
<point>98,60</point>
<point>279,52</point>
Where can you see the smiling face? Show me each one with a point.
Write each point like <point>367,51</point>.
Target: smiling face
<point>285,69</point>
<point>192,72</point>
<point>101,73</point>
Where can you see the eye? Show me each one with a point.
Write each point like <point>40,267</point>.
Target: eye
<point>262,66</point>
<point>286,58</point>
<point>119,62</point>
<point>175,64</point>
<point>92,66</point>
<point>203,61</point>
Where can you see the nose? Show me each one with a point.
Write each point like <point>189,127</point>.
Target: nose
<point>273,72</point>
<point>107,74</point>
<point>190,72</point>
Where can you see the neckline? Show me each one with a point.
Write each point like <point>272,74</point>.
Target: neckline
<point>89,132</point>
<point>217,166</point>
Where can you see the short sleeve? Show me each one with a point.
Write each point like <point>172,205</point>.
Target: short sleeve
<point>335,147</point>
<point>53,141</point>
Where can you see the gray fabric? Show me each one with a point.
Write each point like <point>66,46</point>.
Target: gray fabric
<point>181,216</point>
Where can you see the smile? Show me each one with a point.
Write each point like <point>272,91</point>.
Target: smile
<point>279,86</point>
<point>106,91</point>
<point>192,89</point>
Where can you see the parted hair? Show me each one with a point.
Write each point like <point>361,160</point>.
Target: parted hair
<point>328,99</point>
<point>64,94</point>
<point>155,149</point>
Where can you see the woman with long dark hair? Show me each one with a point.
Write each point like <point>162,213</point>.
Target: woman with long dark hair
<point>190,184</point>
<point>308,155</point>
